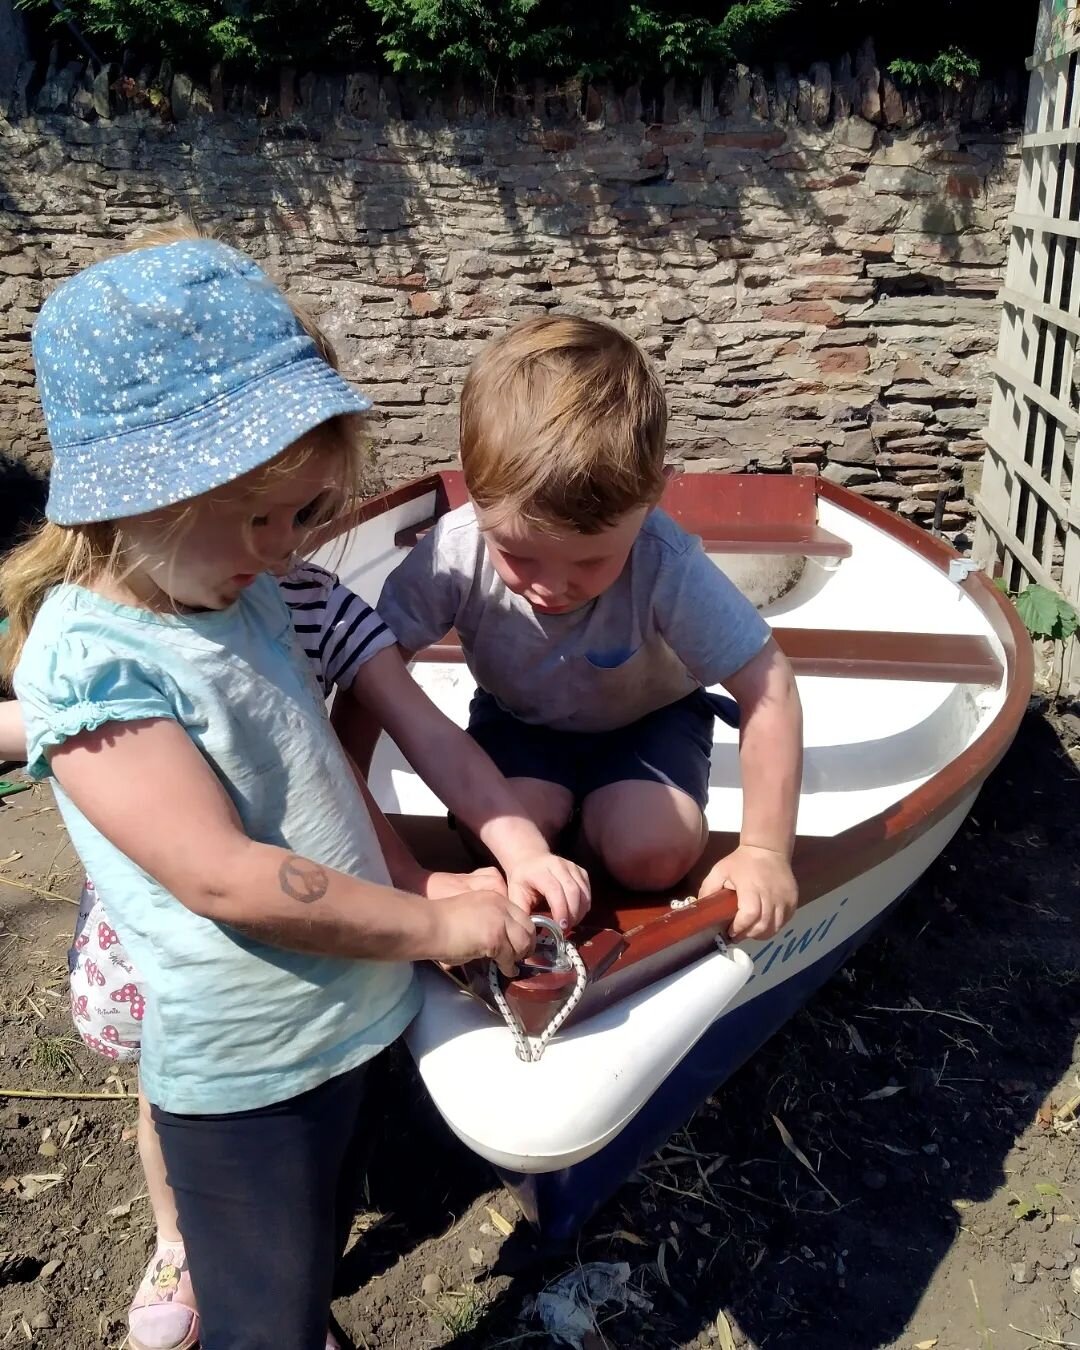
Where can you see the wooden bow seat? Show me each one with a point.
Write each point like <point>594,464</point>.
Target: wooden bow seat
<point>763,514</point>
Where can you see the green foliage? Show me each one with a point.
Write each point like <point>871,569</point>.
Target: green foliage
<point>478,38</point>
<point>684,44</point>
<point>498,42</point>
<point>461,1311</point>
<point>51,1053</point>
<point>1045,614</point>
<point>494,39</point>
<point>248,33</point>
<point>949,68</point>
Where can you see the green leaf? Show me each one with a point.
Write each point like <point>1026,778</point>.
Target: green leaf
<point>949,68</point>
<point>1068,621</point>
<point>1046,1188</point>
<point>1038,610</point>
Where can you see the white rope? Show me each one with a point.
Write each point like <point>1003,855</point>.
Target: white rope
<point>531,1050</point>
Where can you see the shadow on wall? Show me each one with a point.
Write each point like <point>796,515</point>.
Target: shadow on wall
<point>22,501</point>
<point>811,261</point>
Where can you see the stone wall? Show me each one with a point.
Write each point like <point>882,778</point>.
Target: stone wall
<point>811,260</point>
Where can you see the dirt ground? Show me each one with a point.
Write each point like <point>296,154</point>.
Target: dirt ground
<point>932,1087</point>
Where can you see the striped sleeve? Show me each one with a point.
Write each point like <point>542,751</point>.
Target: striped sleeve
<point>337,630</point>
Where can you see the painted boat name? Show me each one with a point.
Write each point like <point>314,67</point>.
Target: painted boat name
<point>792,943</point>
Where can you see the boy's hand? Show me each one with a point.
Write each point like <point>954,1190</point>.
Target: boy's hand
<point>445,885</point>
<point>765,884</point>
<point>482,924</point>
<point>552,881</point>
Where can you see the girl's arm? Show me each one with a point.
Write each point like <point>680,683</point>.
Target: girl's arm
<point>405,872</point>
<point>145,786</point>
<point>770,758</point>
<point>12,735</point>
<point>462,775</point>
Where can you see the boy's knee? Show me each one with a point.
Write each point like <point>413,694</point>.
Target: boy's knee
<point>646,836</point>
<point>648,866</point>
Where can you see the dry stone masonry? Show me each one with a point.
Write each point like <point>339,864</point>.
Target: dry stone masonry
<point>812,260</point>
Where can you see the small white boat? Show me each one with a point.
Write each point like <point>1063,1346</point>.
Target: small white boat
<point>914,672</point>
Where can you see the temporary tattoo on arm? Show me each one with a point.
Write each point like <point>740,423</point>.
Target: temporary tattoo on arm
<point>303,880</point>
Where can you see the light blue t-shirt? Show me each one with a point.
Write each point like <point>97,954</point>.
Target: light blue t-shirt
<point>233,1024</point>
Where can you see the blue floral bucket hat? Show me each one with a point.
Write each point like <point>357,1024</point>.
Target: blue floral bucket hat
<point>168,372</point>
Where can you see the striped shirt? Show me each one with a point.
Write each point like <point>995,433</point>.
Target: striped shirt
<point>339,632</point>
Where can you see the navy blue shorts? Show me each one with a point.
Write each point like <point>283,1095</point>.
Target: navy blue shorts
<point>672,746</point>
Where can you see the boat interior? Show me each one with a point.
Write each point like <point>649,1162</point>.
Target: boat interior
<point>901,659</point>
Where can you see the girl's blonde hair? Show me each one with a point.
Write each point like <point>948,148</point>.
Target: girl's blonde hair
<point>80,554</point>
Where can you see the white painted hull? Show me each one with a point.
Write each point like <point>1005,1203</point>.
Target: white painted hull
<point>594,1078</point>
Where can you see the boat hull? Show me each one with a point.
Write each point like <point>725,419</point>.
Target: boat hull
<point>787,971</point>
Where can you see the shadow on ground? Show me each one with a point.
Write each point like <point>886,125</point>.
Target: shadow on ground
<point>905,1084</point>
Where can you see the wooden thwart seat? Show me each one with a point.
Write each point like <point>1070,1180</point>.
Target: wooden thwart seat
<point>942,658</point>
<point>948,658</point>
<point>777,514</point>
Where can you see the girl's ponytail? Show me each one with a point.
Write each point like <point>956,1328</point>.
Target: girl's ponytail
<point>52,554</point>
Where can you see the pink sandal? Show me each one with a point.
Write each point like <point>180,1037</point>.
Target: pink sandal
<point>163,1315</point>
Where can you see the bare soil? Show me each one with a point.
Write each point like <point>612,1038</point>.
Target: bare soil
<point>931,1090</point>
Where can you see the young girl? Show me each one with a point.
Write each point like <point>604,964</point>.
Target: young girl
<point>341,637</point>
<point>197,438</point>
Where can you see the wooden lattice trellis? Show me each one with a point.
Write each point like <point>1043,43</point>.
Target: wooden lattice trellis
<point>1029,501</point>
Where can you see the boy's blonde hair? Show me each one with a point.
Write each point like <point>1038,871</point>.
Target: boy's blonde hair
<point>563,422</point>
<point>80,554</point>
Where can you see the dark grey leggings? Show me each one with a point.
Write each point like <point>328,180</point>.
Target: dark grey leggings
<point>265,1200</point>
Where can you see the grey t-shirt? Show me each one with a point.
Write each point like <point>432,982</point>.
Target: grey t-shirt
<point>671,623</point>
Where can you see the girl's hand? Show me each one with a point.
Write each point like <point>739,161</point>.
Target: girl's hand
<point>482,924</point>
<point>444,885</point>
<point>765,884</point>
<point>552,881</point>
